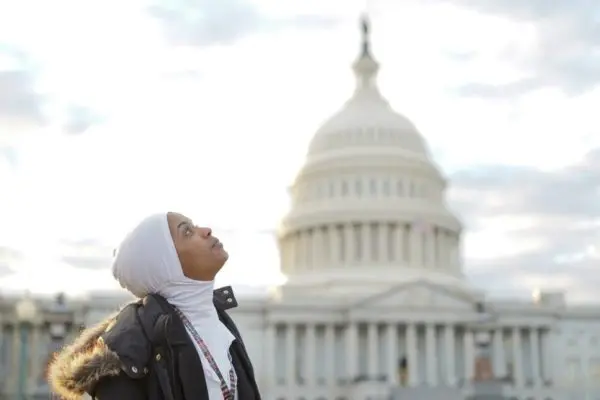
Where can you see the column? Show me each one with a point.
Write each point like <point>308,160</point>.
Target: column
<point>441,249</point>
<point>431,247</point>
<point>365,231</point>
<point>330,355</point>
<point>392,354</point>
<point>284,251</point>
<point>290,355</point>
<point>351,350</point>
<point>382,237</point>
<point>373,351</point>
<point>549,354</point>
<point>307,248</point>
<point>290,255</point>
<point>469,355</point>
<point>415,246</point>
<point>349,244</point>
<point>436,246</point>
<point>430,349</point>
<point>334,242</point>
<point>535,354</point>
<point>499,359</point>
<point>450,356</point>
<point>326,245</point>
<point>35,353</point>
<point>425,239</point>
<point>398,243</point>
<point>412,358</point>
<point>293,251</point>
<point>301,253</point>
<point>15,357</point>
<point>270,340</point>
<point>317,243</point>
<point>517,356</point>
<point>391,241</point>
<point>309,364</point>
<point>453,243</point>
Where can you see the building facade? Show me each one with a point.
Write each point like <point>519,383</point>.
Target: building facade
<point>376,305</point>
<point>31,331</point>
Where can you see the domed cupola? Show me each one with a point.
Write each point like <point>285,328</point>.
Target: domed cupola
<point>368,195</point>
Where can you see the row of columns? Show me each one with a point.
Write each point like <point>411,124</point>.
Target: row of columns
<point>391,369</point>
<point>13,347</point>
<point>417,244</point>
<point>38,345</point>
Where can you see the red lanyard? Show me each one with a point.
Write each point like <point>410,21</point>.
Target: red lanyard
<point>228,391</point>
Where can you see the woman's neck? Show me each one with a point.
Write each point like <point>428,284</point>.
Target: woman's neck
<point>193,298</point>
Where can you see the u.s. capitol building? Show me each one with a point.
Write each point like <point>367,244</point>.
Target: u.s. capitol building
<point>376,305</point>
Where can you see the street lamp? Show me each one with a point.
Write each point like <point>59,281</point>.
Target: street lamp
<point>482,339</point>
<point>26,311</point>
<point>58,330</point>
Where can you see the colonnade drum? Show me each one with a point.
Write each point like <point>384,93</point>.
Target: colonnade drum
<point>416,244</point>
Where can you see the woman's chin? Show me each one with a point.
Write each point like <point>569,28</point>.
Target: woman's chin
<point>222,254</point>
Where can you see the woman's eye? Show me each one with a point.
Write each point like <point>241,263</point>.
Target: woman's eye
<point>188,231</point>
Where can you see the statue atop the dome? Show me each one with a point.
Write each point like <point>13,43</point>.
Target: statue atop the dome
<point>365,67</point>
<point>364,22</point>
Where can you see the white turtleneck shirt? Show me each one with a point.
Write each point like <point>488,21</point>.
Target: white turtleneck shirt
<point>146,262</point>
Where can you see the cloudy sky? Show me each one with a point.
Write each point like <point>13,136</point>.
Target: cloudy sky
<point>111,110</point>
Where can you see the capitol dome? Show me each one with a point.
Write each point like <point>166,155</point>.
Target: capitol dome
<point>367,119</point>
<point>369,197</point>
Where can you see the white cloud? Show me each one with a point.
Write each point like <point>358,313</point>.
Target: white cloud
<point>219,131</point>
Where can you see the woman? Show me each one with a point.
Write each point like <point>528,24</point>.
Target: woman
<point>176,342</point>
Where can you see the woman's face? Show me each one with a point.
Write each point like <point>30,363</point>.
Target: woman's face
<point>200,253</point>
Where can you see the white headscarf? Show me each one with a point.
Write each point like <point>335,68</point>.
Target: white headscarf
<point>146,262</point>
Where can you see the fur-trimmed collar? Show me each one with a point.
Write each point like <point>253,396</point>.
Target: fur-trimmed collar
<point>78,367</point>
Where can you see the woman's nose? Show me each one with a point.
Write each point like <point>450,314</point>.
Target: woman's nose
<point>205,232</point>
